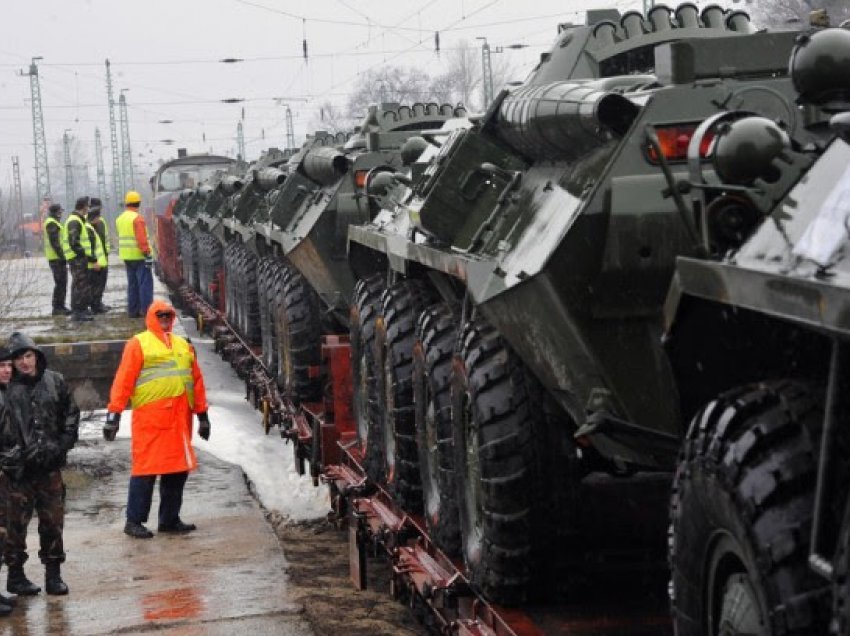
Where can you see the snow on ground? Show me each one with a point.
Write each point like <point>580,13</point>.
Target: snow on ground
<point>237,436</point>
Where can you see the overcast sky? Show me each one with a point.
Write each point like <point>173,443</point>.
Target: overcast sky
<point>167,52</point>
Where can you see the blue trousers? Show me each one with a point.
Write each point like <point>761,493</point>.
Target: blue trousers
<point>139,288</point>
<point>140,495</point>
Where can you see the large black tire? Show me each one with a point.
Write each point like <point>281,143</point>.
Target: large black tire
<point>367,403</point>
<point>188,257</point>
<point>401,305</point>
<point>513,470</point>
<point>436,334</point>
<point>209,264</point>
<point>268,276</point>
<point>741,515</point>
<point>298,329</point>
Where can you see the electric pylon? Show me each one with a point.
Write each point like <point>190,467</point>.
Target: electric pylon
<point>117,179</point>
<point>290,131</point>
<point>126,153</point>
<point>18,198</point>
<point>240,142</point>
<point>101,173</point>
<point>42,173</point>
<point>69,172</point>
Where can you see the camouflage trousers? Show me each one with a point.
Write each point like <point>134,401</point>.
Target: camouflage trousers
<point>81,284</point>
<point>98,285</point>
<point>4,499</point>
<point>44,494</point>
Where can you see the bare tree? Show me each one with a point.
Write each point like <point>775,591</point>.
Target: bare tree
<point>785,13</point>
<point>330,117</point>
<point>461,83</point>
<point>386,85</point>
<point>17,274</point>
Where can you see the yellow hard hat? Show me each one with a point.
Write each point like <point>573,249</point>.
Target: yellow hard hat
<point>132,197</point>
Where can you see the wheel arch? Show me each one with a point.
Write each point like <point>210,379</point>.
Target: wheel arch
<point>714,346</point>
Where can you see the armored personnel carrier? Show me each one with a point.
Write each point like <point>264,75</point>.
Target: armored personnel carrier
<point>510,305</point>
<point>277,237</point>
<point>756,335</point>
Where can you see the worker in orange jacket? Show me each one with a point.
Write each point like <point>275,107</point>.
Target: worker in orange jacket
<point>159,375</point>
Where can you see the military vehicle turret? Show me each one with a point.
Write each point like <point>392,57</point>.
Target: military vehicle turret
<point>516,353</point>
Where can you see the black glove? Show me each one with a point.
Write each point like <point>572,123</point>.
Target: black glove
<point>148,260</point>
<point>204,425</point>
<point>12,463</point>
<point>110,428</point>
<point>52,455</point>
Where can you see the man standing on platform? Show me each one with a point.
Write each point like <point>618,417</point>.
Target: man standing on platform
<point>55,252</point>
<point>47,419</point>
<point>6,603</point>
<point>77,253</point>
<point>134,248</point>
<point>101,241</point>
<point>160,376</point>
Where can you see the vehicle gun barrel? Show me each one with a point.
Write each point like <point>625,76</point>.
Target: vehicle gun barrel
<point>562,119</point>
<point>270,178</point>
<point>325,165</point>
<point>230,185</point>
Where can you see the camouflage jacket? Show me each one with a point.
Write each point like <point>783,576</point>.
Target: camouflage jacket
<point>44,415</point>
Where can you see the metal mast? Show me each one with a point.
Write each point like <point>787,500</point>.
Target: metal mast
<point>126,154</point>
<point>18,198</point>
<point>69,172</point>
<point>240,142</point>
<point>290,131</point>
<point>101,173</point>
<point>486,73</point>
<point>42,173</point>
<point>117,178</point>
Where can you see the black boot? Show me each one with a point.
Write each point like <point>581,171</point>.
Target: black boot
<point>5,608</point>
<point>19,584</point>
<point>53,583</point>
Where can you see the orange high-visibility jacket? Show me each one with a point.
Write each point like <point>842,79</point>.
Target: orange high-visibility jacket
<point>161,427</point>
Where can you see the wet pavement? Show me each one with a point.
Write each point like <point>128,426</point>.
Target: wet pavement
<point>227,577</point>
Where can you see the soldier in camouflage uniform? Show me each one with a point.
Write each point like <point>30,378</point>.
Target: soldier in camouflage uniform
<point>98,276</point>
<point>45,420</point>
<point>79,254</point>
<point>6,603</point>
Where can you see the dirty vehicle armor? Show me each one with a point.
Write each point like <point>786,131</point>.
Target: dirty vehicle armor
<point>269,247</point>
<point>527,270</point>
<point>520,356</point>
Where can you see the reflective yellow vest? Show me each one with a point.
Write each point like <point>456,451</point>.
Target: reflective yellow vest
<point>66,245</point>
<point>49,252</point>
<point>166,373</point>
<point>128,248</point>
<point>97,247</point>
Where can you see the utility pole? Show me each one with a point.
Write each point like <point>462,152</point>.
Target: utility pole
<point>486,73</point>
<point>69,171</point>
<point>647,5</point>
<point>126,154</point>
<point>240,142</point>
<point>18,198</point>
<point>101,173</point>
<point>290,130</point>
<point>117,177</point>
<point>42,174</point>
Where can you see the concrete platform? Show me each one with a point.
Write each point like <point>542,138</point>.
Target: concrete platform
<point>228,577</point>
